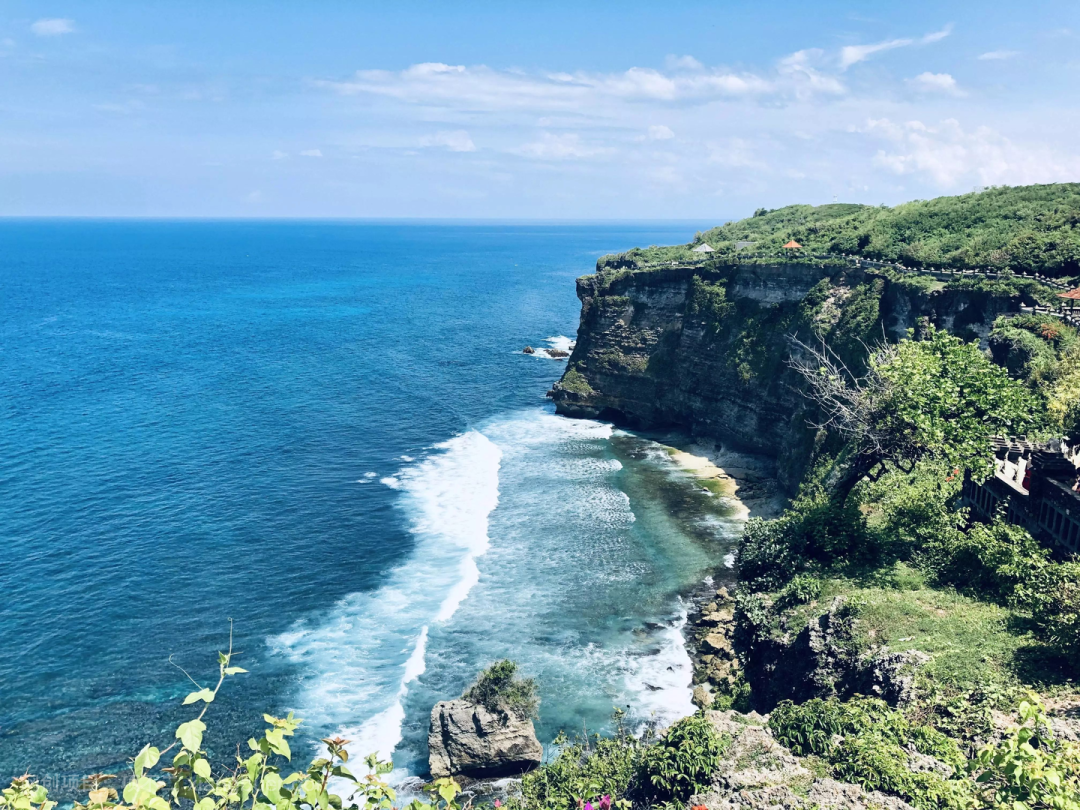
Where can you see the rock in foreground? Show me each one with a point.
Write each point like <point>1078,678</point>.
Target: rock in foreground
<point>465,738</point>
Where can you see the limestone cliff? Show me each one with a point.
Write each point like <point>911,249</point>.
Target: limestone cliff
<point>706,347</point>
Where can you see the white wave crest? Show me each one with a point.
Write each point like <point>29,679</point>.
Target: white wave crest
<point>365,653</point>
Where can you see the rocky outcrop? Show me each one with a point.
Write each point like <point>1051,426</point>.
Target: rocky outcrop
<point>757,772</point>
<point>465,738</point>
<point>716,664</point>
<point>650,354</point>
<point>792,657</point>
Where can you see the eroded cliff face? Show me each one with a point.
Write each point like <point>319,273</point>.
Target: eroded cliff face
<point>707,349</point>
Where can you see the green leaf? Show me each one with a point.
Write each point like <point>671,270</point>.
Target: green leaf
<point>146,759</point>
<point>202,768</point>
<point>206,695</point>
<point>206,804</point>
<point>277,742</point>
<point>158,803</point>
<point>271,787</point>
<point>234,670</point>
<point>131,790</point>
<point>190,734</point>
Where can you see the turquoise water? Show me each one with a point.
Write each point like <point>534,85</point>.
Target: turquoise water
<point>327,433</point>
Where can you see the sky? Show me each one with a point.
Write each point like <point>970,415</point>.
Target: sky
<point>546,110</point>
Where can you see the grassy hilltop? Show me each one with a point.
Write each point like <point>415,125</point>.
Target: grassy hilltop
<point>1032,228</point>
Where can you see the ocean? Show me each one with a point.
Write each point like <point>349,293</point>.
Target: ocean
<point>324,436</point>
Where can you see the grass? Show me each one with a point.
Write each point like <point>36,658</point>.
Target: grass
<point>971,643</point>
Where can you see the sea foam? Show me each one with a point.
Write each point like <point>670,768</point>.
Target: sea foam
<point>363,655</point>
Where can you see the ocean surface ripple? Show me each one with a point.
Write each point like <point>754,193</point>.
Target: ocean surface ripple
<point>326,434</point>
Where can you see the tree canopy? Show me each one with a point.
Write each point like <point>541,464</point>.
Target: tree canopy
<point>938,397</point>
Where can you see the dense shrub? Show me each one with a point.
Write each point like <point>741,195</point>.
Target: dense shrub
<point>815,530</point>
<point>865,742</point>
<point>1029,769</point>
<point>708,301</point>
<point>586,770</point>
<point>682,763</point>
<point>500,690</point>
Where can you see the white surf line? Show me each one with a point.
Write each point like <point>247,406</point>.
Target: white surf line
<point>359,666</point>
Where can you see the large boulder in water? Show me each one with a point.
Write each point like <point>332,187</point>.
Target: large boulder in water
<point>466,738</point>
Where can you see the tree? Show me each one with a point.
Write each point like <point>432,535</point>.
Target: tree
<point>938,397</point>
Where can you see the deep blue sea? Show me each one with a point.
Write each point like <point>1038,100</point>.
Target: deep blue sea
<point>327,434</point>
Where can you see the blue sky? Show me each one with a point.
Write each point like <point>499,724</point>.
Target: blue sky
<point>545,109</point>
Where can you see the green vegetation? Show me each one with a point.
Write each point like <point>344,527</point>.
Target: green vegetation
<point>575,382</point>
<point>626,771</point>
<point>263,780</point>
<point>864,742</point>
<point>682,763</point>
<point>935,398</point>
<point>499,689</point>
<point>1028,228</point>
<point>586,770</point>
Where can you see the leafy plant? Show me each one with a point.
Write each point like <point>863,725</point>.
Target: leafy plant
<point>586,770</point>
<point>1029,769</point>
<point>682,763</point>
<point>865,742</point>
<point>501,691</point>
<point>264,780</point>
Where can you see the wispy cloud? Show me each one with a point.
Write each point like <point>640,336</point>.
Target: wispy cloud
<point>558,147</point>
<point>995,55</point>
<point>311,152</point>
<point>659,132</point>
<point>53,27</point>
<point>952,157</point>
<point>482,88</point>
<point>457,140</point>
<point>853,54</point>
<point>936,83</point>
<point>672,62</point>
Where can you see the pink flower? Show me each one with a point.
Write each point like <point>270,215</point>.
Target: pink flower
<point>605,802</point>
<point>588,806</point>
<point>498,803</point>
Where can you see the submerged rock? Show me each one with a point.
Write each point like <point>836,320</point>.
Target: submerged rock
<point>557,353</point>
<point>465,738</point>
<point>528,350</point>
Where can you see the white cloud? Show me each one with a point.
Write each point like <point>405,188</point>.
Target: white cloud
<point>311,152</point>
<point>457,140</point>
<point>853,54</point>
<point>279,155</point>
<point>558,147</point>
<point>673,62</point>
<point>659,132</point>
<point>53,27</point>
<point>485,89</point>
<point>951,157</point>
<point>936,36</point>
<point>936,83</point>
<point>995,55</point>
<point>803,69</point>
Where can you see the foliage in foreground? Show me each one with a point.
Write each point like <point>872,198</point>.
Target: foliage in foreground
<point>264,780</point>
